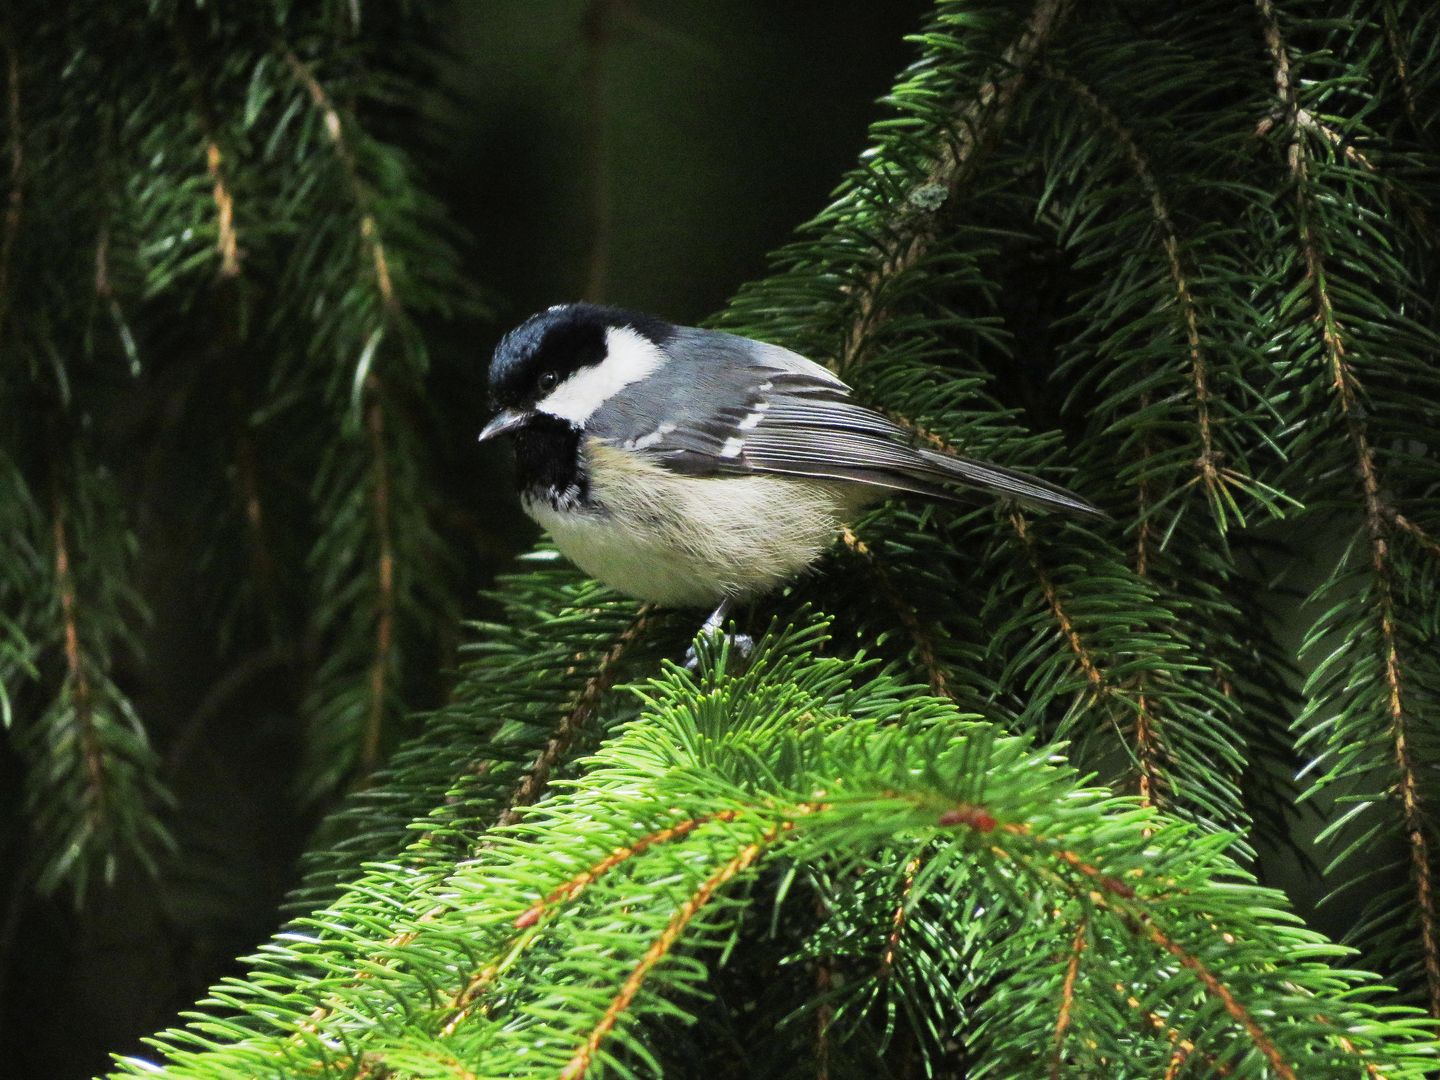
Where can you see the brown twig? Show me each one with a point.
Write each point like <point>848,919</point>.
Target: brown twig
<point>570,889</point>
<point>577,1066</point>
<point>1170,243</point>
<point>533,785</point>
<point>1183,1047</point>
<point>374,418</point>
<point>1067,999</point>
<point>1177,1062</point>
<point>227,240</point>
<point>335,129</point>
<point>1377,513</point>
<point>1052,600</point>
<point>924,647</point>
<point>77,674</point>
<point>1420,536</point>
<point>897,919</point>
<point>977,120</point>
<point>1219,990</point>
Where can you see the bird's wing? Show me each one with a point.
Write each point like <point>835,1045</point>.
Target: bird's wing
<point>735,407</point>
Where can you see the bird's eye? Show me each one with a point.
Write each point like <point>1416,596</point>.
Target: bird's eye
<point>547,381</point>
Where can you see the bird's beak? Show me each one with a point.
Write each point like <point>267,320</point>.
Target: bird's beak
<point>505,420</point>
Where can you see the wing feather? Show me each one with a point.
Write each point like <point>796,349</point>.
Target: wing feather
<point>740,407</point>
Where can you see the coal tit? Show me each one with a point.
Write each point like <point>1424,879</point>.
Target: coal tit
<point>691,467</point>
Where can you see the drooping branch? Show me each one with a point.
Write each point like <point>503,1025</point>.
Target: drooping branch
<point>77,674</point>
<point>374,419</point>
<point>1400,63</point>
<point>924,646</point>
<point>335,129</point>
<point>1170,244</point>
<point>1378,515</point>
<point>977,122</point>
<point>227,240</point>
<point>1052,600</point>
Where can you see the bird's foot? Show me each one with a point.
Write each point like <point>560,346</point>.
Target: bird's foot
<point>723,644</point>
<point>742,644</point>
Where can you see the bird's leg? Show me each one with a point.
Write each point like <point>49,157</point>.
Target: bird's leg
<point>715,626</point>
<point>716,619</point>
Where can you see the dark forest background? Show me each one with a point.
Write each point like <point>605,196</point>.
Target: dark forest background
<point>277,679</point>
<point>647,152</point>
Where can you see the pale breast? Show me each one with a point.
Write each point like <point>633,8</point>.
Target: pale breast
<point>693,541</point>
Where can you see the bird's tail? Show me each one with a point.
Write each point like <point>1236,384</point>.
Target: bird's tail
<point>1008,482</point>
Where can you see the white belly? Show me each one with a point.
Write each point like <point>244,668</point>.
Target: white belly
<point>686,541</point>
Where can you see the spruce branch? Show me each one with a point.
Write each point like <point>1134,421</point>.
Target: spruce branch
<point>1183,1046</point>
<point>897,921</point>
<point>1414,531</point>
<point>1067,999</point>
<point>976,122</point>
<point>924,648</point>
<point>376,254</point>
<point>577,1066</point>
<point>577,716</point>
<point>77,676</point>
<point>335,130</point>
<point>1400,63</point>
<point>1206,464</point>
<point>1111,894</point>
<point>1376,512</point>
<point>374,422</point>
<point>227,241</point>
<point>1063,621</point>
<point>573,985</point>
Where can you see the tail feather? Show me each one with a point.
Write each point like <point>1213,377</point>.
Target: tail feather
<point>1002,481</point>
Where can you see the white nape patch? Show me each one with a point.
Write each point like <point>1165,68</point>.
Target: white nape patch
<point>732,447</point>
<point>629,357</point>
<point>644,442</point>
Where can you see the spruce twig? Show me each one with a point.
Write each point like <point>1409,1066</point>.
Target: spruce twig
<point>1377,515</point>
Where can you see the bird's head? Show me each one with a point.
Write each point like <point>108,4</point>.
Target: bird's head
<point>565,362</point>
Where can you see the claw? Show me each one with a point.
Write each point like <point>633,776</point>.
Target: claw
<point>743,644</point>
<point>712,627</point>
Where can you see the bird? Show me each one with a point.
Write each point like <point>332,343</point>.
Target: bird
<point>691,467</point>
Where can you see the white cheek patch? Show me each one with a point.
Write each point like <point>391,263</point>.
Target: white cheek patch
<point>629,357</point>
